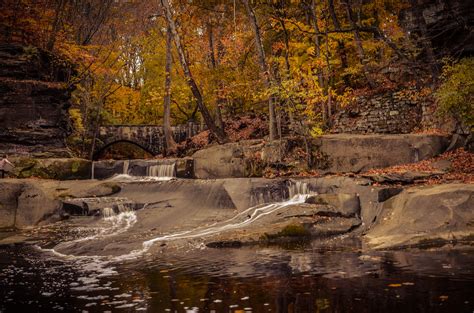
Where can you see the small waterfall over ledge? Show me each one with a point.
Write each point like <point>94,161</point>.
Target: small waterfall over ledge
<point>279,192</point>
<point>134,169</point>
<point>298,188</point>
<point>162,170</point>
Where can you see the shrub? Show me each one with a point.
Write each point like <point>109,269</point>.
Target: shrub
<point>455,96</point>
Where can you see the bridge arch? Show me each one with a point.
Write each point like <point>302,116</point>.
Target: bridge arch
<point>147,137</point>
<point>100,150</point>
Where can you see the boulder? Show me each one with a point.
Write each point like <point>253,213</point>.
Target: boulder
<point>387,193</point>
<point>220,161</point>
<point>24,204</point>
<point>8,203</point>
<point>424,216</point>
<point>345,204</point>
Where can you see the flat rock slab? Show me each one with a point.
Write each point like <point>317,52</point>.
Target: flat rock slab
<point>359,153</point>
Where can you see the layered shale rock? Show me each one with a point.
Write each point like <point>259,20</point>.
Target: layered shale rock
<point>34,98</point>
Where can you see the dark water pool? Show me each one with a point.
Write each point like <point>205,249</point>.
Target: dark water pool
<point>250,279</point>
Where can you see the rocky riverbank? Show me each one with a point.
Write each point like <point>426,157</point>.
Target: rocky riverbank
<point>383,217</point>
<point>340,153</point>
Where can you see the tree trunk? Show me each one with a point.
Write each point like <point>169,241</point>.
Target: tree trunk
<point>170,144</point>
<point>96,129</point>
<point>263,68</point>
<point>340,43</point>
<point>214,63</point>
<point>358,41</point>
<point>287,76</point>
<point>317,44</point>
<point>219,133</point>
<point>56,24</point>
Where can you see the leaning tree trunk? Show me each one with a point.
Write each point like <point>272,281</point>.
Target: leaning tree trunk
<point>219,133</point>
<point>263,68</point>
<point>170,144</point>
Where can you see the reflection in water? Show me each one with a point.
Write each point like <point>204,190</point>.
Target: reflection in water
<point>260,279</point>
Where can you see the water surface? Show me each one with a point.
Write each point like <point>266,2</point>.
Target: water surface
<point>300,278</point>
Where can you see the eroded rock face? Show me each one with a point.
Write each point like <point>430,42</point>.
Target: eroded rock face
<point>425,215</point>
<point>448,25</point>
<point>33,103</point>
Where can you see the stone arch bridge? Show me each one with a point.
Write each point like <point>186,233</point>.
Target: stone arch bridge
<point>150,138</point>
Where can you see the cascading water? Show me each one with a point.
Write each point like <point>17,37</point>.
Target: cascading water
<point>298,188</point>
<point>298,191</point>
<point>112,223</point>
<point>162,170</point>
<point>120,220</point>
<point>123,218</point>
<point>126,164</point>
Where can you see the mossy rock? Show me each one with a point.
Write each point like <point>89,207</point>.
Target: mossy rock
<point>290,231</point>
<point>60,169</point>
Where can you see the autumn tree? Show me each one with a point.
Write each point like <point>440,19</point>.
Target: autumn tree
<point>220,134</point>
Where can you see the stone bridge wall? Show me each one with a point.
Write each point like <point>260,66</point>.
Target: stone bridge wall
<point>149,137</point>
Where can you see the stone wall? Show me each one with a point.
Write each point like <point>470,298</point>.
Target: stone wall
<point>34,99</point>
<point>389,113</point>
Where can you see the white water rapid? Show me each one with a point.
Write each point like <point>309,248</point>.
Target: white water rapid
<point>112,223</point>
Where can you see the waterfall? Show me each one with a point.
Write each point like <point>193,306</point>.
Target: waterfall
<point>298,188</point>
<point>162,170</point>
<point>92,170</point>
<point>108,212</point>
<point>126,164</point>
